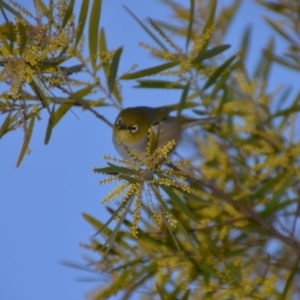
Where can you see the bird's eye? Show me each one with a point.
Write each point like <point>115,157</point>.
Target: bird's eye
<point>119,122</point>
<point>134,128</point>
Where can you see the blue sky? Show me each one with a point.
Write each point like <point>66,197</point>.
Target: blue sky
<point>42,201</point>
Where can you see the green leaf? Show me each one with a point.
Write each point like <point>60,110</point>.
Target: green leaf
<point>186,295</point>
<point>131,263</point>
<point>8,120</point>
<point>22,34</point>
<point>206,268</point>
<point>285,62</point>
<point>210,53</point>
<point>278,28</point>
<point>49,127</point>
<point>267,186</point>
<point>287,112</point>
<point>158,84</point>
<point>209,23</point>
<point>183,99</point>
<point>160,292</point>
<point>93,31</point>
<point>268,62</point>
<point>3,39</point>
<point>63,109</point>
<point>60,112</point>
<point>150,71</point>
<point>290,279</point>
<point>114,69</point>
<point>147,271</point>
<point>39,93</point>
<point>218,72</point>
<point>179,225</point>
<point>11,36</point>
<point>109,242</point>
<point>245,44</point>
<point>103,49</point>
<point>26,139</point>
<point>171,233</point>
<point>221,83</point>
<point>68,13</point>
<point>81,20</point>
<point>113,169</point>
<point>146,29</point>
<point>190,27</point>
<point>180,204</point>
<point>40,6</point>
<point>3,4</point>
<point>104,227</point>
<point>94,222</point>
<point>272,205</point>
<point>72,69</point>
<point>176,107</point>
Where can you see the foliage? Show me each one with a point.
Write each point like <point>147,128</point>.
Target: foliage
<point>227,222</point>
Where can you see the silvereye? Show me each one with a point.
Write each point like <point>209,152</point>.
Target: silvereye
<point>130,130</point>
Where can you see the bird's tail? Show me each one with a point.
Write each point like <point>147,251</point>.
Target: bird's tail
<point>187,123</point>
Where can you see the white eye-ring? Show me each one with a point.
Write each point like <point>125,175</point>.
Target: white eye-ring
<point>134,128</point>
<point>119,122</point>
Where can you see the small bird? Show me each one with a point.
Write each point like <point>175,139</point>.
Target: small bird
<point>130,130</point>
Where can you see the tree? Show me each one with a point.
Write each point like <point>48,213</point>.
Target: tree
<point>211,218</point>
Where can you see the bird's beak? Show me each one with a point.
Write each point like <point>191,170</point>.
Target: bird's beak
<point>122,127</point>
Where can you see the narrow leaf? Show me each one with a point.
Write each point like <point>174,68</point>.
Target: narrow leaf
<point>183,99</point>
<point>60,112</point>
<point>160,292</point>
<point>64,108</point>
<point>26,140</point>
<point>171,233</point>
<point>4,5</point>
<point>116,169</point>
<point>72,69</point>
<point>146,29</point>
<point>190,27</point>
<point>50,126</point>
<point>179,225</point>
<point>186,295</point>
<point>158,84</point>
<point>39,93</point>
<point>179,203</point>
<point>114,69</point>
<point>81,20</point>
<point>268,62</point>
<point>8,120</point>
<point>40,6</point>
<point>210,53</point>
<point>290,279</point>
<point>113,216</point>
<point>285,62</point>
<point>22,34</point>
<point>150,71</point>
<point>278,28</point>
<point>272,205</point>
<point>267,186</point>
<point>109,242</point>
<point>245,44</point>
<point>223,78</point>
<point>68,14</point>
<point>103,51</point>
<point>93,221</point>
<point>209,23</point>
<point>93,31</point>
<point>219,71</point>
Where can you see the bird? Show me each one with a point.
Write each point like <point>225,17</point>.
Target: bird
<point>131,128</point>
